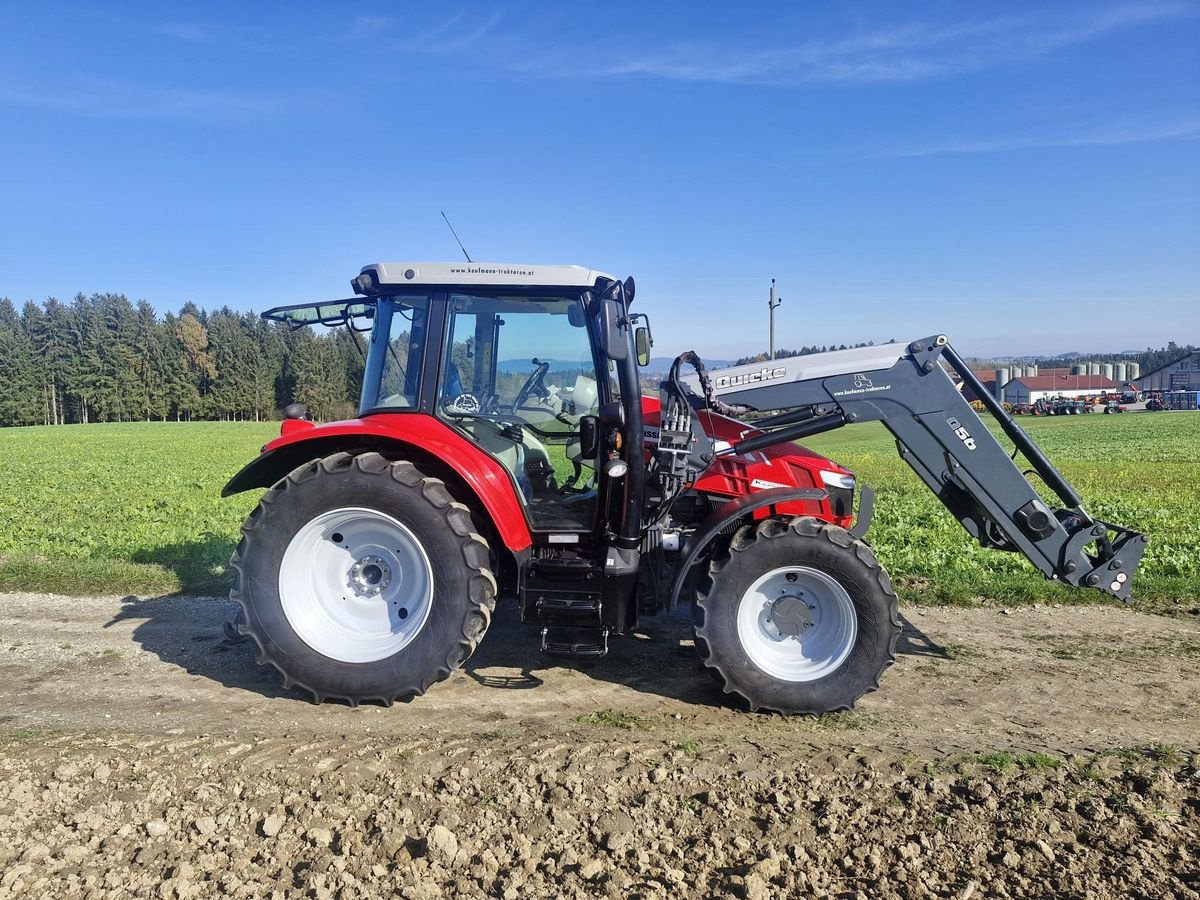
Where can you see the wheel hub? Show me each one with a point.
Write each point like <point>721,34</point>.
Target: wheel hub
<point>369,576</point>
<point>356,584</point>
<point>791,616</point>
<point>797,623</point>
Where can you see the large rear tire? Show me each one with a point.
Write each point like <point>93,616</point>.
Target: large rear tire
<point>362,579</point>
<point>796,616</point>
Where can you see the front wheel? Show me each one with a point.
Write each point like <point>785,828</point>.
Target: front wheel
<point>796,616</point>
<point>362,579</point>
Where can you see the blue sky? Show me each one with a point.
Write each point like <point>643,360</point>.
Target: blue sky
<point>1022,177</point>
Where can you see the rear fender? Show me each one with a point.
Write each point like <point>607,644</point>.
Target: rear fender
<point>433,446</point>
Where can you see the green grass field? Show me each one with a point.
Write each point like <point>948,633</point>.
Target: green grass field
<point>1140,470</point>
<point>137,509</point>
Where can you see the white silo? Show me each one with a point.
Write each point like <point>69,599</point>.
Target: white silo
<point>1093,368</point>
<point>1134,371</point>
<point>1002,378</point>
<point>1120,373</point>
<point>1106,370</point>
<point>1031,371</point>
<point>1079,369</point>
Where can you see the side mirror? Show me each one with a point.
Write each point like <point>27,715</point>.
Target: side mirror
<point>589,437</point>
<point>611,314</point>
<point>642,343</point>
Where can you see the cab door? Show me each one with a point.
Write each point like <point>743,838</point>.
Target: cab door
<point>518,375</point>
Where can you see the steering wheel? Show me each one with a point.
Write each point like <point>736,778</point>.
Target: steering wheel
<point>535,383</point>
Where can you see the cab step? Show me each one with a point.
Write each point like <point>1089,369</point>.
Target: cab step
<point>576,642</point>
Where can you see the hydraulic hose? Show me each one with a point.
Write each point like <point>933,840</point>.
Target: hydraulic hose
<point>691,358</point>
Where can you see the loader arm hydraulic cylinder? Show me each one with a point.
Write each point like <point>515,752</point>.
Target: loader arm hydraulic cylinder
<point>1023,442</point>
<point>939,435</point>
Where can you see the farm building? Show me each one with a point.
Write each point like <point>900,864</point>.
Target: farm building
<point>1181,375</point>
<point>1035,387</point>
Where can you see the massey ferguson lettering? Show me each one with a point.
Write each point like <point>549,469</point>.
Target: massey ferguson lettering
<point>763,374</point>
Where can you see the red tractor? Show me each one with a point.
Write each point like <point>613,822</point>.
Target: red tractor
<point>503,449</point>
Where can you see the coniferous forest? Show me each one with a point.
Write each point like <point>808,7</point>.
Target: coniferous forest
<point>101,358</point>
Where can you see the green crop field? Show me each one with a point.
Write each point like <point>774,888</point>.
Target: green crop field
<point>132,508</point>
<point>1139,470</point>
<point>136,508</point>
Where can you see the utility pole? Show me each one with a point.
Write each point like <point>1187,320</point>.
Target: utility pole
<point>773,303</point>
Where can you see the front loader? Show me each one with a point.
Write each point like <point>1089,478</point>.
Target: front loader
<point>503,449</point>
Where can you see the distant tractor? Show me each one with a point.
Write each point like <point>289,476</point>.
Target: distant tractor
<point>503,449</point>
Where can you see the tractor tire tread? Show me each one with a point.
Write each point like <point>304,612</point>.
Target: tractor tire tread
<point>475,551</point>
<point>770,529</point>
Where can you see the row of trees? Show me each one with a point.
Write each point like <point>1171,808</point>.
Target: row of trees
<point>804,351</point>
<point>104,359</point>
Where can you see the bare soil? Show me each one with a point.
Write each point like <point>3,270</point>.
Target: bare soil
<point>1044,751</point>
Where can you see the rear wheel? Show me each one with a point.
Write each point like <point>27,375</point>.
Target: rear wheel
<point>362,579</point>
<point>796,616</point>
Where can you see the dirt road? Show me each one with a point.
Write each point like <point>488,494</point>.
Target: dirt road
<point>1042,751</point>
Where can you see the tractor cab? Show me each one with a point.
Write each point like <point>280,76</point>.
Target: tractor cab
<point>526,372</point>
<point>533,368</point>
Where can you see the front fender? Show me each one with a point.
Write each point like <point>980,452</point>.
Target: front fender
<point>412,436</point>
<point>729,513</point>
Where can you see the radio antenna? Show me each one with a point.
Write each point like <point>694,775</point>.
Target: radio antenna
<point>460,243</point>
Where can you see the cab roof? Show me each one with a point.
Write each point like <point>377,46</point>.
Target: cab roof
<point>378,277</point>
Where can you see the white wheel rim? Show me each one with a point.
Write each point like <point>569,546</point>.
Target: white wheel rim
<point>356,585</point>
<point>797,624</point>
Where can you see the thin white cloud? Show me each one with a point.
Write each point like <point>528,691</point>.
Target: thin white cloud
<point>1109,134</point>
<point>454,35</point>
<point>903,53</point>
<point>183,31</point>
<point>366,26</point>
<point>107,99</point>
<point>431,34</point>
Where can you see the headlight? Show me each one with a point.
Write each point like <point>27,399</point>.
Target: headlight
<point>837,480</point>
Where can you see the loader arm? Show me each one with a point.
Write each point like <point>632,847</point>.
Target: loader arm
<point>939,435</point>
